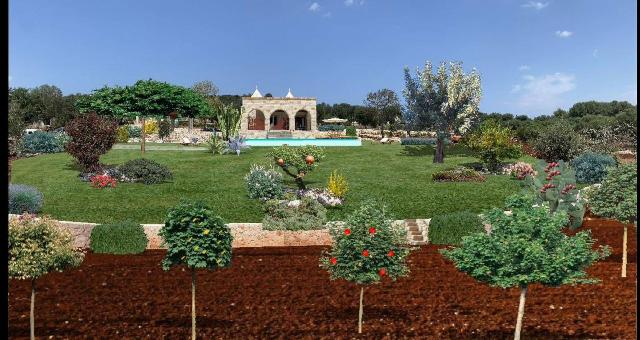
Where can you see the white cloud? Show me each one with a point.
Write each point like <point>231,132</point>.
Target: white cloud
<point>543,93</point>
<point>314,7</point>
<point>563,34</point>
<point>348,2</point>
<point>353,2</point>
<point>327,15</point>
<point>524,68</point>
<point>595,53</point>
<point>535,5</point>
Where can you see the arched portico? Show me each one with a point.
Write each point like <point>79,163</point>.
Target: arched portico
<point>257,122</point>
<point>279,120</point>
<point>302,120</point>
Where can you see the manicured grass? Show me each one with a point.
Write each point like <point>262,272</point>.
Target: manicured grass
<point>398,175</point>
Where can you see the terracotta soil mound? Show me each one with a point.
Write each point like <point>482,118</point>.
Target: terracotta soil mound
<point>282,293</point>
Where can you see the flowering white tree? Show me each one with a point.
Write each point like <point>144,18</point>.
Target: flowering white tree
<point>446,101</point>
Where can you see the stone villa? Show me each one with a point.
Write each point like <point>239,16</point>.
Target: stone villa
<point>278,117</point>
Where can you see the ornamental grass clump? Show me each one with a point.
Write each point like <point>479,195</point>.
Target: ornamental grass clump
<point>24,199</point>
<point>617,198</point>
<point>367,249</point>
<point>337,185</point>
<point>526,247</point>
<point>297,161</point>
<point>38,246</point>
<point>198,238</point>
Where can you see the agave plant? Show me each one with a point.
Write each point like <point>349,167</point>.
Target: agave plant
<point>554,184</point>
<point>236,144</point>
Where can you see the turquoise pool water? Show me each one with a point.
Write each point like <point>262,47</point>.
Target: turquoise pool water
<point>304,141</point>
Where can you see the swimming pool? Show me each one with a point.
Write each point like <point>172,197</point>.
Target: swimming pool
<point>304,141</point>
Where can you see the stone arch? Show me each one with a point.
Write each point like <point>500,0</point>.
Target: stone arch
<point>302,120</point>
<point>258,122</point>
<point>279,120</point>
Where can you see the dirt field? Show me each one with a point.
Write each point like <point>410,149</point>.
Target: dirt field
<point>282,293</point>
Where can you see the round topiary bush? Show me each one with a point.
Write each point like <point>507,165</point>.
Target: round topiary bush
<point>451,228</point>
<point>24,198</point>
<point>145,171</point>
<point>591,167</point>
<point>118,238</point>
<point>263,183</point>
<point>91,137</point>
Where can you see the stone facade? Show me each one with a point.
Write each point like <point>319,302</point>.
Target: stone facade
<point>262,115</point>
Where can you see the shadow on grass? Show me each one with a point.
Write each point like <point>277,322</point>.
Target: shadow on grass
<point>429,150</point>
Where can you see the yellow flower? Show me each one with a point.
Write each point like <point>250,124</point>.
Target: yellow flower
<point>206,232</point>
<point>196,248</point>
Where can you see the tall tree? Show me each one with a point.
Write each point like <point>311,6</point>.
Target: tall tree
<point>385,107</point>
<point>206,88</point>
<point>445,102</point>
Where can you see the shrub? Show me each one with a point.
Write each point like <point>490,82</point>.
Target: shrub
<point>304,214</point>
<point>42,142</point>
<point>517,201</point>
<point>303,159</point>
<point>122,135</point>
<point>24,198</point>
<point>451,228</point>
<point>164,129</point>
<point>351,131</point>
<point>366,249</point>
<point>493,143</point>
<point>331,127</point>
<point>519,170</point>
<point>421,141</point>
<point>459,174</point>
<point>264,184</point>
<point>134,131</point>
<point>144,170</point>
<point>556,142</point>
<point>37,247</point>
<point>337,184</point>
<point>118,238</point>
<point>235,145</point>
<point>103,181</point>
<point>592,167</point>
<point>216,145</point>
<point>91,137</point>
<point>150,127</point>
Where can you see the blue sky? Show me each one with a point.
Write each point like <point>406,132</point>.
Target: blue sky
<point>534,56</point>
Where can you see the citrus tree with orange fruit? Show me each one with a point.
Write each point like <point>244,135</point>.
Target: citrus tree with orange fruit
<point>297,161</point>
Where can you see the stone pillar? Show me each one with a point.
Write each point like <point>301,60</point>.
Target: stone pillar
<point>292,121</point>
<point>314,119</point>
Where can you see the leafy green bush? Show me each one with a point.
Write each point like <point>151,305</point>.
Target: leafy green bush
<point>145,170</point>
<point>451,228</point>
<point>122,135</point>
<point>118,238</point>
<point>617,197</point>
<point>557,141</point>
<point>164,129</point>
<point>134,131</point>
<point>303,214</point>
<point>24,198</point>
<point>331,127</point>
<point>264,184</point>
<point>518,201</point>
<point>592,167</point>
<point>42,142</point>
<point>459,174</point>
<point>493,143</point>
<point>303,159</point>
<point>351,131</point>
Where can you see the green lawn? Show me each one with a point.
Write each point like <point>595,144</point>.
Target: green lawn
<point>398,175</point>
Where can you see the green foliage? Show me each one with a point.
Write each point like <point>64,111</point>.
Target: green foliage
<point>458,174</point>
<point>557,141</point>
<point>351,131</point>
<point>554,185</point>
<point>264,184</point>
<point>39,246</point>
<point>16,120</point>
<point>42,142</point>
<point>122,135</point>
<point>331,127</point>
<point>296,158</point>
<point>367,247</point>
<point>421,141</point>
<point>617,197</point>
<point>525,247</point>
<point>24,198</point>
<point>451,228</point>
<point>118,238</point>
<point>308,214</point>
<point>519,201</point>
<point>164,129</point>
<point>216,145</point>
<point>494,143</point>
<point>592,167</point>
<point>228,118</point>
<point>146,171</point>
<point>196,237</point>
<point>134,131</point>
<point>613,108</point>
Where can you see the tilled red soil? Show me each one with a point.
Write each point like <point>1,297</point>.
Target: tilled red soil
<point>282,293</point>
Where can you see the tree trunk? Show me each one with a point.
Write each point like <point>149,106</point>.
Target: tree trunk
<point>438,156</point>
<point>144,137</point>
<point>523,296</point>
<point>31,316</point>
<point>381,130</point>
<point>300,183</point>
<point>624,252</point>
<point>190,124</point>
<point>360,311</point>
<point>193,303</point>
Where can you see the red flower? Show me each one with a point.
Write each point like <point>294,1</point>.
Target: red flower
<point>382,272</point>
<point>391,253</point>
<point>333,261</point>
<point>365,253</point>
<point>347,231</point>
<point>372,230</point>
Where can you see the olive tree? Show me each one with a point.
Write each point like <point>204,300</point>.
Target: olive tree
<point>366,249</point>
<point>38,246</point>
<point>445,102</point>
<point>524,247</point>
<point>384,105</point>
<point>195,237</point>
<point>617,198</point>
